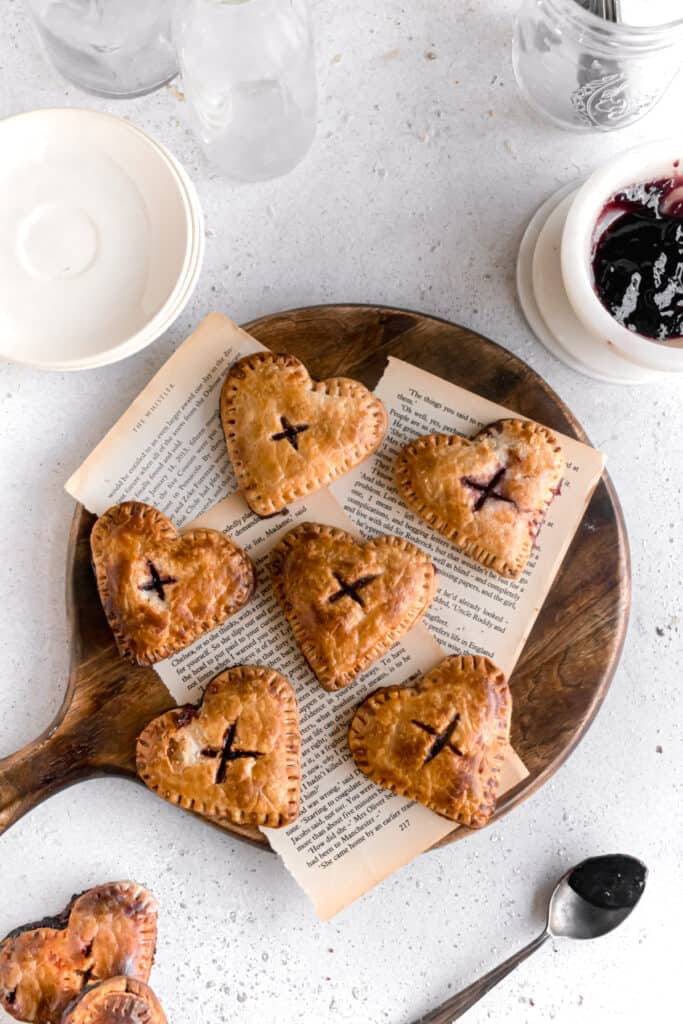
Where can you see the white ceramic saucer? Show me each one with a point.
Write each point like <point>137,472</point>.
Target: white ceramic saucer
<point>102,234</point>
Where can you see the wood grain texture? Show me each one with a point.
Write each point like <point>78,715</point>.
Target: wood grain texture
<point>566,666</point>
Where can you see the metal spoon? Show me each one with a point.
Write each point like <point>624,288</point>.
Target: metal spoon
<point>589,901</point>
<point>607,9</point>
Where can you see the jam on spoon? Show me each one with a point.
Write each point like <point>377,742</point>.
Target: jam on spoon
<point>614,882</point>
<point>638,258</point>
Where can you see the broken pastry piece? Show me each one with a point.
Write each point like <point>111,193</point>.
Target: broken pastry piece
<point>488,494</point>
<point>288,435</point>
<point>116,1001</point>
<point>108,930</point>
<point>234,756</point>
<point>349,602</point>
<point>441,741</point>
<point>161,590</point>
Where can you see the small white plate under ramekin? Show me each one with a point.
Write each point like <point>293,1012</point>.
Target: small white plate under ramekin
<point>555,280</point>
<point>103,238</point>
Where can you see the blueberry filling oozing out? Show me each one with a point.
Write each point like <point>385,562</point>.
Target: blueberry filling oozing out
<point>487,490</point>
<point>441,739</point>
<point>290,432</point>
<point>228,753</point>
<point>350,589</point>
<point>157,582</point>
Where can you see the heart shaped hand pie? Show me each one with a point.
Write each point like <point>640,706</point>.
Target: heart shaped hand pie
<point>235,755</point>
<point>348,603</point>
<point>488,494</point>
<point>109,930</point>
<point>116,1001</point>
<point>161,591</point>
<point>287,435</point>
<point>442,741</point>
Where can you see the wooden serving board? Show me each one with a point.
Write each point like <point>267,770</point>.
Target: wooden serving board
<point>569,659</point>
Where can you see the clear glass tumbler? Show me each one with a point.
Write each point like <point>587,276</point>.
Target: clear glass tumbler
<point>248,71</point>
<point>115,48</point>
<point>585,73</point>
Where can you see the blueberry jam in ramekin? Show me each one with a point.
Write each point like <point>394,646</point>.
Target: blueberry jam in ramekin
<point>638,258</point>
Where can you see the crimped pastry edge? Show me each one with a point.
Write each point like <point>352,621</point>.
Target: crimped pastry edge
<point>137,894</point>
<point>60,921</point>
<point>117,514</point>
<point>432,680</point>
<point>511,569</point>
<point>335,387</point>
<point>117,984</point>
<point>282,690</point>
<point>327,678</point>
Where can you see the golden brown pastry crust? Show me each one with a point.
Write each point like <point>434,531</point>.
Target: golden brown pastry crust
<point>108,930</point>
<point>442,741</point>
<point>288,435</point>
<point>118,1000</point>
<point>203,576</point>
<point>236,755</point>
<point>488,494</point>
<point>341,635</point>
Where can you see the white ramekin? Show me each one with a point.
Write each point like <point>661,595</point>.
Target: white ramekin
<point>654,160</point>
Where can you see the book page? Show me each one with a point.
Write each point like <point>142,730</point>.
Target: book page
<point>168,448</point>
<point>475,610</point>
<point>350,834</point>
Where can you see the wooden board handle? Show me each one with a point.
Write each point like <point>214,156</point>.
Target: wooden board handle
<point>38,770</point>
<point>107,703</point>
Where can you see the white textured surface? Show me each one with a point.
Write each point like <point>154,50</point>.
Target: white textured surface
<point>425,171</point>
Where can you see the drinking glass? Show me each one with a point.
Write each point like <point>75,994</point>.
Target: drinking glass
<point>583,72</point>
<point>116,48</point>
<point>248,70</point>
